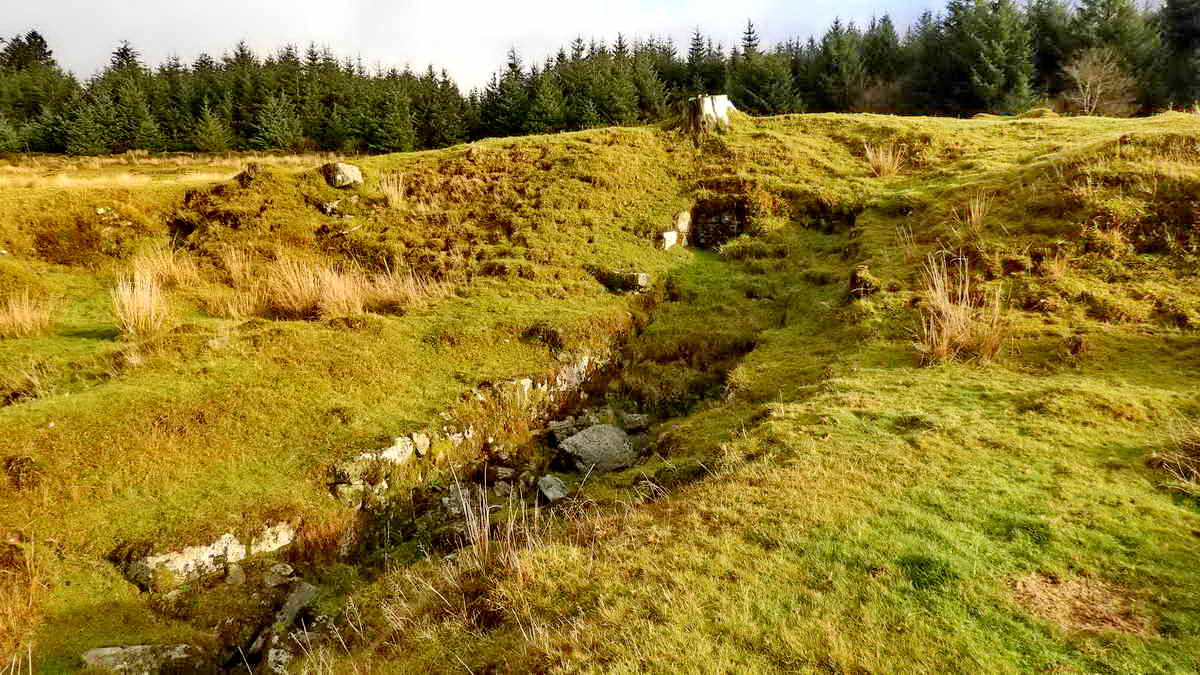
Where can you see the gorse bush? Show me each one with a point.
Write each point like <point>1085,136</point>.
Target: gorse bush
<point>953,326</point>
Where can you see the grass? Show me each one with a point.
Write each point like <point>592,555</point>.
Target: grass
<point>886,159</point>
<point>815,499</point>
<point>392,186</point>
<point>140,305</point>
<point>953,324</point>
<point>24,314</point>
<point>1181,459</point>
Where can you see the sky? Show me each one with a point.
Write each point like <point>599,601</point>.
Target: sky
<point>468,39</point>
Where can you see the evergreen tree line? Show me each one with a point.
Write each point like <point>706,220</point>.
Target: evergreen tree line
<point>976,55</point>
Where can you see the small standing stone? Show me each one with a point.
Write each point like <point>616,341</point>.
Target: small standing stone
<point>341,174</point>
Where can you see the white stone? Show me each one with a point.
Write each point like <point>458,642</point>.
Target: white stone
<point>716,109</point>
<point>552,488</point>
<point>341,174</point>
<point>668,239</point>
<point>196,561</point>
<point>683,222</point>
<point>421,443</point>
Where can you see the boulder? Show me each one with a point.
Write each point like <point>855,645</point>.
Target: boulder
<point>148,659</point>
<point>301,597</point>
<point>668,239</point>
<point>342,175</point>
<point>421,443</point>
<point>552,488</point>
<point>601,447</point>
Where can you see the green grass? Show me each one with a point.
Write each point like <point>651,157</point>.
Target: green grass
<point>830,505</point>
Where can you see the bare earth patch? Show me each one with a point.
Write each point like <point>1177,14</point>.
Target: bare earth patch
<point>1080,604</point>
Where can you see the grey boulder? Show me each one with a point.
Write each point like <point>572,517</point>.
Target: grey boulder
<point>147,659</point>
<point>341,174</point>
<point>552,488</point>
<point>601,447</point>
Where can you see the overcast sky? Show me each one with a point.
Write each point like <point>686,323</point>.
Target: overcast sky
<point>469,39</point>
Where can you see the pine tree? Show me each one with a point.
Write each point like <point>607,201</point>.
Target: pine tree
<point>842,74</point>
<point>1051,41</point>
<point>211,133</point>
<point>91,128</point>
<point>136,128</point>
<point>278,127</point>
<point>506,100</point>
<point>547,105</point>
<point>11,138</point>
<point>1000,57</point>
<point>881,54</point>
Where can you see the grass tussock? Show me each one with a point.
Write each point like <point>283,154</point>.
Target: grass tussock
<point>1181,458</point>
<point>24,314</point>
<point>169,267</point>
<point>301,289</point>
<point>392,186</point>
<point>969,219</point>
<point>140,305</point>
<point>21,585</point>
<point>885,159</point>
<point>954,325</point>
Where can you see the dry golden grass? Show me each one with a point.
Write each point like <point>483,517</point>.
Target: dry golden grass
<point>300,289</point>
<point>21,584</point>
<point>968,221</point>
<point>23,314</point>
<point>952,326</point>
<point>140,305</point>
<point>167,266</point>
<point>1181,458</point>
<point>392,185</point>
<point>238,266</point>
<point>1082,604</point>
<point>886,159</point>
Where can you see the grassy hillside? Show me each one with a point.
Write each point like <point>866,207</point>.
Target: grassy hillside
<point>854,472</point>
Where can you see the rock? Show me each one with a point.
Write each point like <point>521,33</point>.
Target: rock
<point>668,239</point>
<point>235,575</point>
<point>172,569</point>
<point>635,421</point>
<point>278,575</point>
<point>502,489</point>
<point>421,443</point>
<point>601,447</point>
<point>500,473</point>
<point>714,110</point>
<point>331,208</point>
<point>552,488</point>
<point>683,222</point>
<point>863,283</point>
<point>401,451</point>
<point>278,659</point>
<point>301,597</point>
<point>148,659</point>
<point>341,174</point>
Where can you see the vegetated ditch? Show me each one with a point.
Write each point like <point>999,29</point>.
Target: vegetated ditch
<point>506,447</point>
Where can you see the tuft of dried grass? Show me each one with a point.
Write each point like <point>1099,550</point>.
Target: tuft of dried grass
<point>238,266</point>
<point>24,314</point>
<point>167,266</point>
<point>907,242</point>
<point>953,326</point>
<point>299,289</point>
<point>140,305</point>
<point>970,218</point>
<point>1080,604</point>
<point>22,582</point>
<point>1181,458</point>
<point>392,186</point>
<point>886,159</point>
